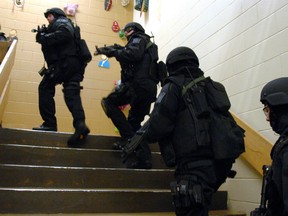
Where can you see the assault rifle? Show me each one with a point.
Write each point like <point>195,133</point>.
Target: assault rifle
<point>261,211</point>
<point>166,148</point>
<point>107,49</point>
<point>134,142</point>
<point>42,29</point>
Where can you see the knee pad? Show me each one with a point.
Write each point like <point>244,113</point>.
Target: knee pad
<point>74,86</point>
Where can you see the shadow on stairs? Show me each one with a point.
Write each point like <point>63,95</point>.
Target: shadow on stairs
<point>41,175</point>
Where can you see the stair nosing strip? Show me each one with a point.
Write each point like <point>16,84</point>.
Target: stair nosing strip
<point>64,148</point>
<point>83,168</point>
<point>85,190</point>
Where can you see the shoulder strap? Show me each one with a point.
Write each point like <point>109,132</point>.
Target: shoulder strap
<point>191,84</point>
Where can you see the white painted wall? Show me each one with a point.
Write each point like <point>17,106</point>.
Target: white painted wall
<point>241,43</point>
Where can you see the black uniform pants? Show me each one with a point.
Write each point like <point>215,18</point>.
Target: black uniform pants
<point>70,77</point>
<point>140,97</point>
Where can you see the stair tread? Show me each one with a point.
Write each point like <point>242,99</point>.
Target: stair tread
<point>211,213</point>
<point>64,156</point>
<point>91,180</point>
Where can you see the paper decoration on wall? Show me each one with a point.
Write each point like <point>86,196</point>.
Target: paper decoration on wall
<point>104,62</point>
<point>70,9</point>
<point>107,4</point>
<point>122,34</point>
<point>19,3</point>
<point>141,5</point>
<point>115,27</point>
<point>12,35</point>
<point>124,3</point>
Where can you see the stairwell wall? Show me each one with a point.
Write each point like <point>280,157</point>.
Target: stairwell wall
<point>96,28</point>
<point>241,43</point>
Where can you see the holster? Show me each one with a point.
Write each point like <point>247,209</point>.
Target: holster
<point>186,193</point>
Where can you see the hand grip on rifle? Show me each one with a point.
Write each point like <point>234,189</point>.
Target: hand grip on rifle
<point>42,29</point>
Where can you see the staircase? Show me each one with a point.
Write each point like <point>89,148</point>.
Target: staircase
<point>39,174</point>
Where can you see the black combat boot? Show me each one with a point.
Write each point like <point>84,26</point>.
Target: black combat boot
<point>79,136</point>
<point>138,164</point>
<point>45,128</point>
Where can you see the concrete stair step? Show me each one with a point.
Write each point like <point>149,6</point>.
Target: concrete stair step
<point>64,156</point>
<point>47,201</point>
<point>211,213</point>
<point>22,176</point>
<point>57,139</point>
<point>53,201</point>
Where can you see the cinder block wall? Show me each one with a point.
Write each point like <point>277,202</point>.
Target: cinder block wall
<point>96,25</point>
<point>241,43</point>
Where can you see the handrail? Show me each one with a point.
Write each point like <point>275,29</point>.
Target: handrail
<point>257,148</point>
<point>5,70</point>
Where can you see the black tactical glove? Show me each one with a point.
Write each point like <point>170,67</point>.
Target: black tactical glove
<point>108,51</point>
<point>40,38</point>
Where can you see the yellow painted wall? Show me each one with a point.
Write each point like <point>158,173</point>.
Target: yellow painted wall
<point>22,107</point>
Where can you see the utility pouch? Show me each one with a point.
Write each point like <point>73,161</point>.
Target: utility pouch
<point>43,71</point>
<point>199,101</point>
<point>217,95</point>
<point>54,73</point>
<point>175,191</point>
<point>197,104</point>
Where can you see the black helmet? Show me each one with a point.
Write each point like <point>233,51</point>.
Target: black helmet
<point>181,53</point>
<point>57,12</point>
<point>134,25</point>
<point>275,92</point>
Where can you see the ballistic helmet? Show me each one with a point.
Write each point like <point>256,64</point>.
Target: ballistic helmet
<point>57,12</point>
<point>275,92</point>
<point>180,54</point>
<point>135,26</point>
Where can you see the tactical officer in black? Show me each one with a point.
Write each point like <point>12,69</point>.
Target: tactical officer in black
<point>64,67</point>
<point>171,123</point>
<point>137,88</point>
<point>274,96</point>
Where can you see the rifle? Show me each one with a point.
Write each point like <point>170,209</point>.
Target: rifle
<point>106,50</point>
<point>261,211</point>
<point>42,29</point>
<point>166,147</point>
<point>134,142</point>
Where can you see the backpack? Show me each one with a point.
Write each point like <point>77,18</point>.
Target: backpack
<point>158,71</point>
<point>82,48</point>
<point>226,136</point>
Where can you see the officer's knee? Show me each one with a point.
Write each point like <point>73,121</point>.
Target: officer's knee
<point>71,87</point>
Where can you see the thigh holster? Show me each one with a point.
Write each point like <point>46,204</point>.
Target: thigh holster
<point>186,193</point>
